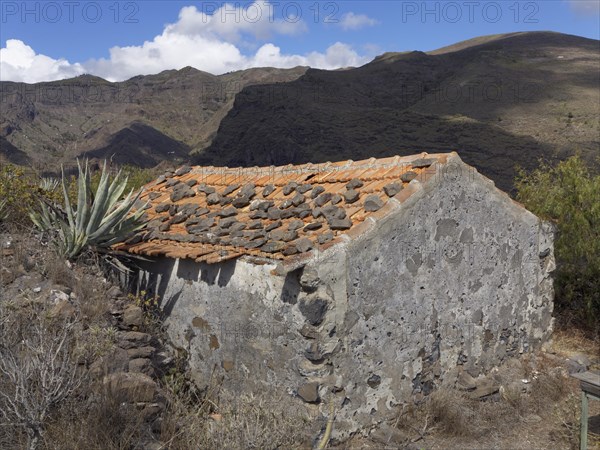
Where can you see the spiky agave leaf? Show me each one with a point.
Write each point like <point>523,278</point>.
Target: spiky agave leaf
<point>49,184</point>
<point>3,210</point>
<point>100,220</point>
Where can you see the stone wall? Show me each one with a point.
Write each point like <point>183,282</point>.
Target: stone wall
<point>455,278</point>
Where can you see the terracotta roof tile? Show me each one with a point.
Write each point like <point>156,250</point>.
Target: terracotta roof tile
<point>199,231</point>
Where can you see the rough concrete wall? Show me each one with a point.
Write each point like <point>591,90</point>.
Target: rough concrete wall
<point>246,330</point>
<point>456,279</point>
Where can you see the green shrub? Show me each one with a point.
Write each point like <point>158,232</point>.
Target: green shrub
<point>569,196</point>
<point>100,219</point>
<point>17,191</point>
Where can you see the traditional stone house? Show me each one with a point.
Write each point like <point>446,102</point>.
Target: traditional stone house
<point>359,284</point>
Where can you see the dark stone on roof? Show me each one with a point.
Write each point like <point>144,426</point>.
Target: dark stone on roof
<point>274,213</point>
<point>334,212</point>
<point>273,225</point>
<point>287,213</point>
<point>202,226</point>
<point>203,188</point>
<point>256,243</point>
<point>191,183</point>
<point>178,218</point>
<point>183,170</point>
<point>392,189</point>
<point>241,202</point>
<point>236,233</point>
<point>286,204</point>
<point>281,235</point>
<point>339,224</point>
<point>239,242</point>
<point>313,226</point>
<point>202,211</point>
<point>173,182</point>
<point>173,210</point>
<point>179,237</point>
<point>225,201</point>
<point>316,191</point>
<point>335,199</point>
<point>162,207</point>
<point>188,208</point>
<point>290,250</point>
<point>220,231</point>
<point>408,176</point>
<point>298,199</point>
<point>226,223</point>
<point>354,183</point>
<point>325,237</point>
<point>295,224</point>
<point>273,247</point>
<point>422,162</point>
<point>236,227</point>
<point>231,188</point>
<point>303,244</point>
<point>256,234</point>
<point>192,221</point>
<point>265,205</point>
<point>154,223</point>
<point>161,179</point>
<point>304,214</point>
<point>373,203</point>
<point>290,236</point>
<point>154,195</point>
<point>255,225</point>
<point>351,195</point>
<point>317,212</point>
<point>213,199</point>
<point>182,192</point>
<point>268,190</point>
<point>248,190</point>
<point>258,215</point>
<point>289,188</point>
<point>164,227</point>
<point>304,188</point>
<point>228,212</point>
<point>322,199</point>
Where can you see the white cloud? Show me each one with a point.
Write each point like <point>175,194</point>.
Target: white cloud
<point>351,21</point>
<point>19,62</point>
<point>588,8</point>
<point>208,42</point>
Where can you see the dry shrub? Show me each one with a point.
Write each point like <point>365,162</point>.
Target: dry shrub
<point>240,422</point>
<point>451,411</point>
<point>99,420</point>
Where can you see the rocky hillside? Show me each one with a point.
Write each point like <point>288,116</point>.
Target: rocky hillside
<point>141,121</point>
<point>497,100</point>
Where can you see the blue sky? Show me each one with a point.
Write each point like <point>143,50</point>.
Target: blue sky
<point>117,40</point>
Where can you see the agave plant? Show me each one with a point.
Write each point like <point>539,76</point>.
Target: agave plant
<point>100,219</point>
<point>49,184</point>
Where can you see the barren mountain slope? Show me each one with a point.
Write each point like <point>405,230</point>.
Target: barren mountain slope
<point>499,101</point>
<point>142,120</point>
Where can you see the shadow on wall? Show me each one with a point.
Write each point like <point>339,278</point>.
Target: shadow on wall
<point>154,277</point>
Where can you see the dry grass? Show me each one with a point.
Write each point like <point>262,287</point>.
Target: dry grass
<point>449,415</point>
